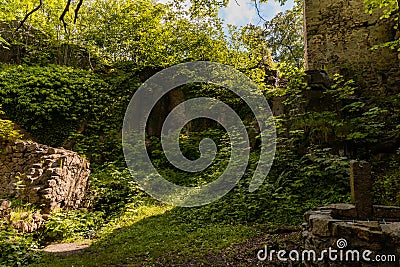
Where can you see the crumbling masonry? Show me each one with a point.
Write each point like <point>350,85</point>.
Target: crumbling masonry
<point>339,35</point>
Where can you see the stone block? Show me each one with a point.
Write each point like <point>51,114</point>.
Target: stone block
<point>361,188</point>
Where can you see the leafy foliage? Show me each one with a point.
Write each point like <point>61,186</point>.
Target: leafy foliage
<point>16,249</point>
<point>112,188</point>
<point>83,110</point>
<point>390,11</point>
<point>293,186</point>
<point>62,106</point>
<point>7,131</point>
<point>284,36</point>
<point>72,225</point>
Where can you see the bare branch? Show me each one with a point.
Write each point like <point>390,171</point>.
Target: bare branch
<point>28,15</point>
<point>77,10</point>
<point>62,17</point>
<point>258,10</point>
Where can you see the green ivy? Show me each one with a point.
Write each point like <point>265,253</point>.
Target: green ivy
<point>63,106</point>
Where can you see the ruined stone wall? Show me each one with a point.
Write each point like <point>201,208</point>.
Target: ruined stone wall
<point>338,38</point>
<point>49,177</point>
<point>335,227</point>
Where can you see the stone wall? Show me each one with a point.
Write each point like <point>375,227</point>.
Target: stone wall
<point>338,38</point>
<point>335,227</point>
<point>49,177</point>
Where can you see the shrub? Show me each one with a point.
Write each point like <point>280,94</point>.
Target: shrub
<point>16,249</point>
<point>7,131</point>
<point>111,188</point>
<point>64,225</point>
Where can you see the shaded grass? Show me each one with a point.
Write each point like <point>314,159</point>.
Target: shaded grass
<point>151,234</point>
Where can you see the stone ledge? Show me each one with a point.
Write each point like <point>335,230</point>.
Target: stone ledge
<point>325,225</point>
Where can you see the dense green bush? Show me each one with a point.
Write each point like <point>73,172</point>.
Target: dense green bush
<point>111,188</point>
<point>311,165</point>
<point>16,249</point>
<point>295,184</point>
<point>52,101</point>
<point>387,180</point>
<point>64,225</point>
<point>62,106</point>
<point>7,131</point>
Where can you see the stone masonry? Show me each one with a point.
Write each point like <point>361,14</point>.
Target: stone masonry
<point>338,38</point>
<point>351,229</point>
<point>49,177</point>
<point>335,227</point>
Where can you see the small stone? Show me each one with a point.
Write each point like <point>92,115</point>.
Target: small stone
<point>20,147</point>
<point>320,224</point>
<point>37,165</point>
<point>30,171</point>
<point>4,204</point>
<point>32,147</point>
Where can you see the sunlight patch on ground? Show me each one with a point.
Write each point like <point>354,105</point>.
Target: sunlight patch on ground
<point>134,214</point>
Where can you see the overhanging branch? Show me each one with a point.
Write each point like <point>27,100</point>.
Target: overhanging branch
<point>62,17</point>
<point>77,10</point>
<point>258,10</point>
<point>28,15</point>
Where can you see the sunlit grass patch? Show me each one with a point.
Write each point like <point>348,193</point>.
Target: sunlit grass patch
<point>148,234</point>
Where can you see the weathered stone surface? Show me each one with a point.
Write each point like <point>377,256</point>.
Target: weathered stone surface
<point>392,230</point>
<point>4,207</point>
<point>323,229</point>
<point>28,223</point>
<point>387,212</point>
<point>343,211</point>
<point>51,178</point>
<point>4,204</point>
<point>361,188</point>
<point>320,224</point>
<point>338,38</point>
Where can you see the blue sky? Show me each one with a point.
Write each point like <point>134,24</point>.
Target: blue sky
<point>243,12</point>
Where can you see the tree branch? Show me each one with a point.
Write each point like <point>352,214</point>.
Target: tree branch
<point>258,10</point>
<point>77,10</point>
<point>62,17</point>
<point>30,13</point>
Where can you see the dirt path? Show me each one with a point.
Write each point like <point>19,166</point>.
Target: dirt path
<point>66,248</point>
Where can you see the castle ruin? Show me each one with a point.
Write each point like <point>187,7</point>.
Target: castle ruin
<point>338,37</point>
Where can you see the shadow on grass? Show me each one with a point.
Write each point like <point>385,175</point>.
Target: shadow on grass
<point>165,239</point>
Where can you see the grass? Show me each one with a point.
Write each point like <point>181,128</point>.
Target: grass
<point>152,235</point>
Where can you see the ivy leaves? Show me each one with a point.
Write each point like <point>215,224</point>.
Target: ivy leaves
<point>44,98</point>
